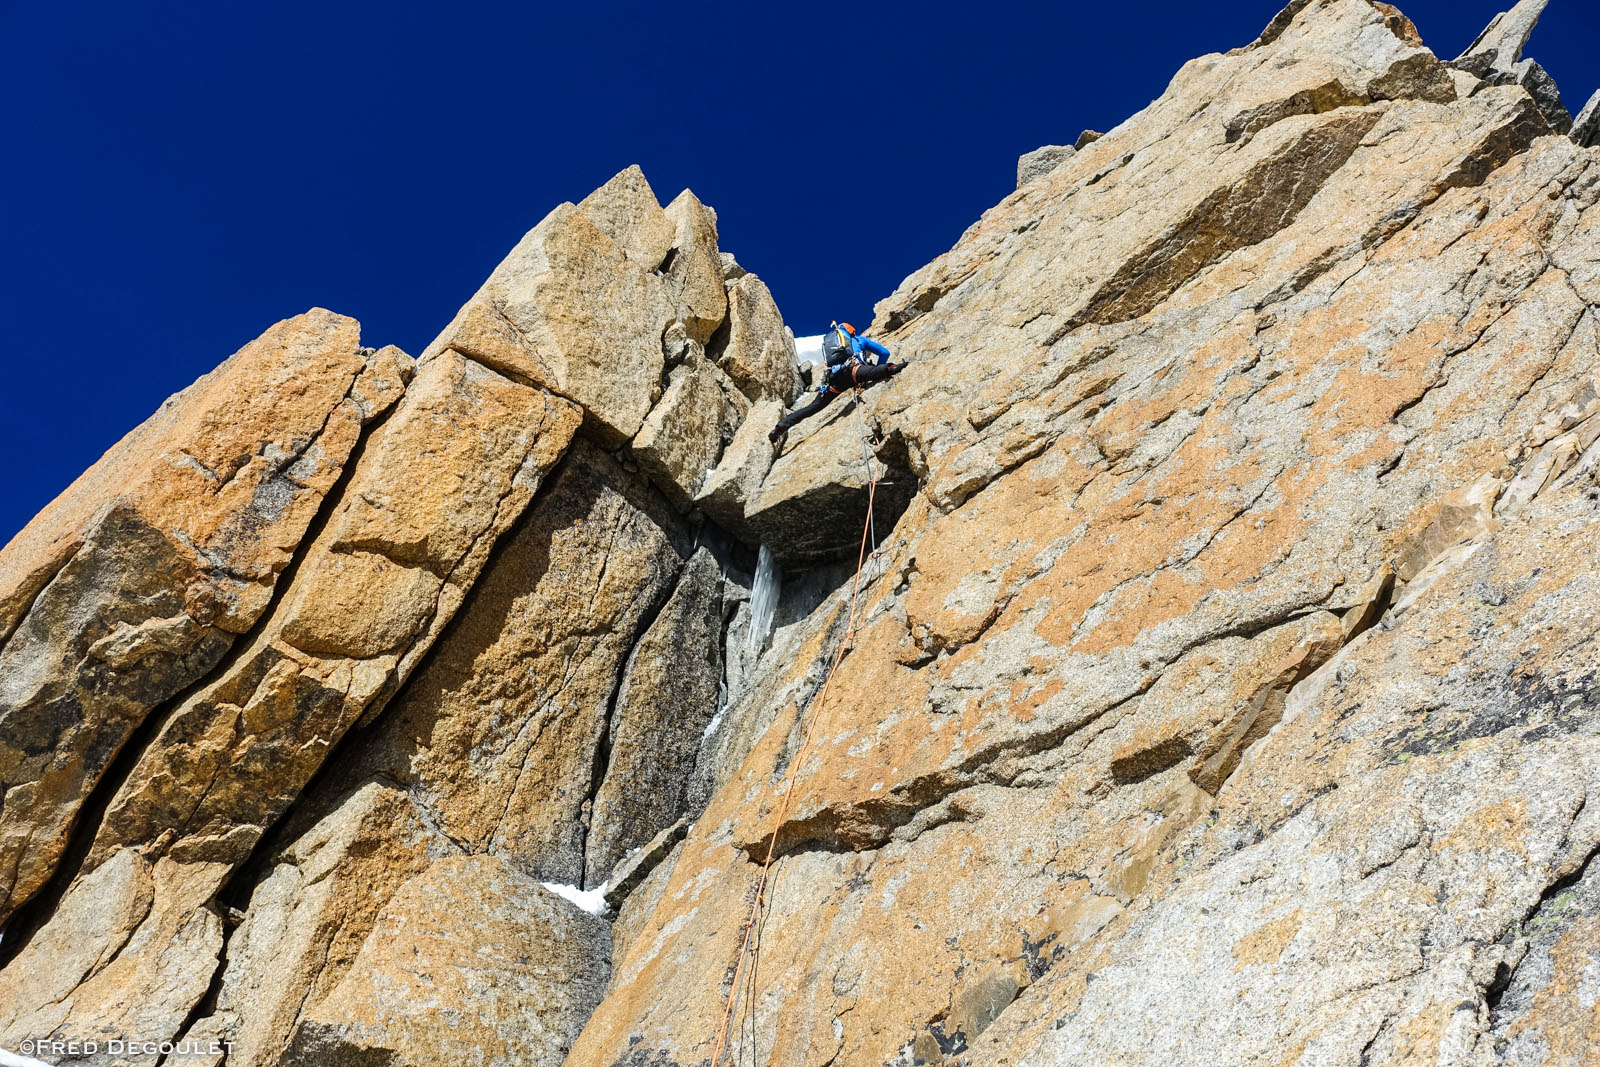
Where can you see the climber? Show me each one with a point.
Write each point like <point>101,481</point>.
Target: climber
<point>845,353</point>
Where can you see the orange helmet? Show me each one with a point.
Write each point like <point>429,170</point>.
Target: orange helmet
<point>847,327</point>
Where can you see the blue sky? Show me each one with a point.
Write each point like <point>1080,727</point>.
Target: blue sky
<point>180,176</point>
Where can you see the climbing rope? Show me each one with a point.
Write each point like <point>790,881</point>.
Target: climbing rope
<point>752,924</point>
<point>869,446</point>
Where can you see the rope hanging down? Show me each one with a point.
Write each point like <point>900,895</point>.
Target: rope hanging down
<point>867,530</point>
<point>869,442</point>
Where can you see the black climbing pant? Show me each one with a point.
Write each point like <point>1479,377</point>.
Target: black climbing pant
<point>843,379</point>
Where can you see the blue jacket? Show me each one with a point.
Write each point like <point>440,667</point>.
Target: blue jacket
<point>859,345</point>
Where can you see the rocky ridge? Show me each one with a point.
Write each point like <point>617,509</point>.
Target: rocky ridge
<point>1226,689</point>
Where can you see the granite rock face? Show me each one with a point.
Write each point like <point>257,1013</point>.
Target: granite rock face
<point>138,578</point>
<point>1041,161</point>
<point>572,312</point>
<point>499,736</point>
<point>1222,695</point>
<point>625,209</point>
<point>694,274</point>
<point>667,698</point>
<point>469,962</point>
<point>1586,127</point>
<point>1496,57</point>
<point>448,472</point>
<point>1500,45</point>
<point>1219,685</point>
<point>757,353</point>
<point>377,588</point>
<point>309,916</point>
<point>686,434</point>
<point>505,524</point>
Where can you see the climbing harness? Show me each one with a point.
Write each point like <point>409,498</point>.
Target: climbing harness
<point>840,337</point>
<point>752,924</point>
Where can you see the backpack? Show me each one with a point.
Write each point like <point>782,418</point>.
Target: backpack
<point>838,347</point>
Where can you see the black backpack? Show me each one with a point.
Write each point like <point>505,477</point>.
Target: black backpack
<point>836,348</point>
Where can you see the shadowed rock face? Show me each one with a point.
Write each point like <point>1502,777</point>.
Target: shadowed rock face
<point>1222,688</point>
<point>524,694</point>
<point>1586,127</point>
<point>665,700</point>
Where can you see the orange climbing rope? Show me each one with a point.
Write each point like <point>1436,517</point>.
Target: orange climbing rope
<point>723,1033</point>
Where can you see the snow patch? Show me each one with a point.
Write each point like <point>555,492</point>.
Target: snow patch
<point>808,349</point>
<point>11,1059</point>
<point>592,901</point>
<point>722,710</point>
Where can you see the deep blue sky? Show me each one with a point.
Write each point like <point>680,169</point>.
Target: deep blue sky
<point>179,176</point>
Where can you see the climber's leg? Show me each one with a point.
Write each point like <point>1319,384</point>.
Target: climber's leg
<point>823,399</point>
<point>869,375</point>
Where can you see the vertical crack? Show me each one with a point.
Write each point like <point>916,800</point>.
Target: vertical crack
<point>207,1004</point>
<point>602,749</point>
